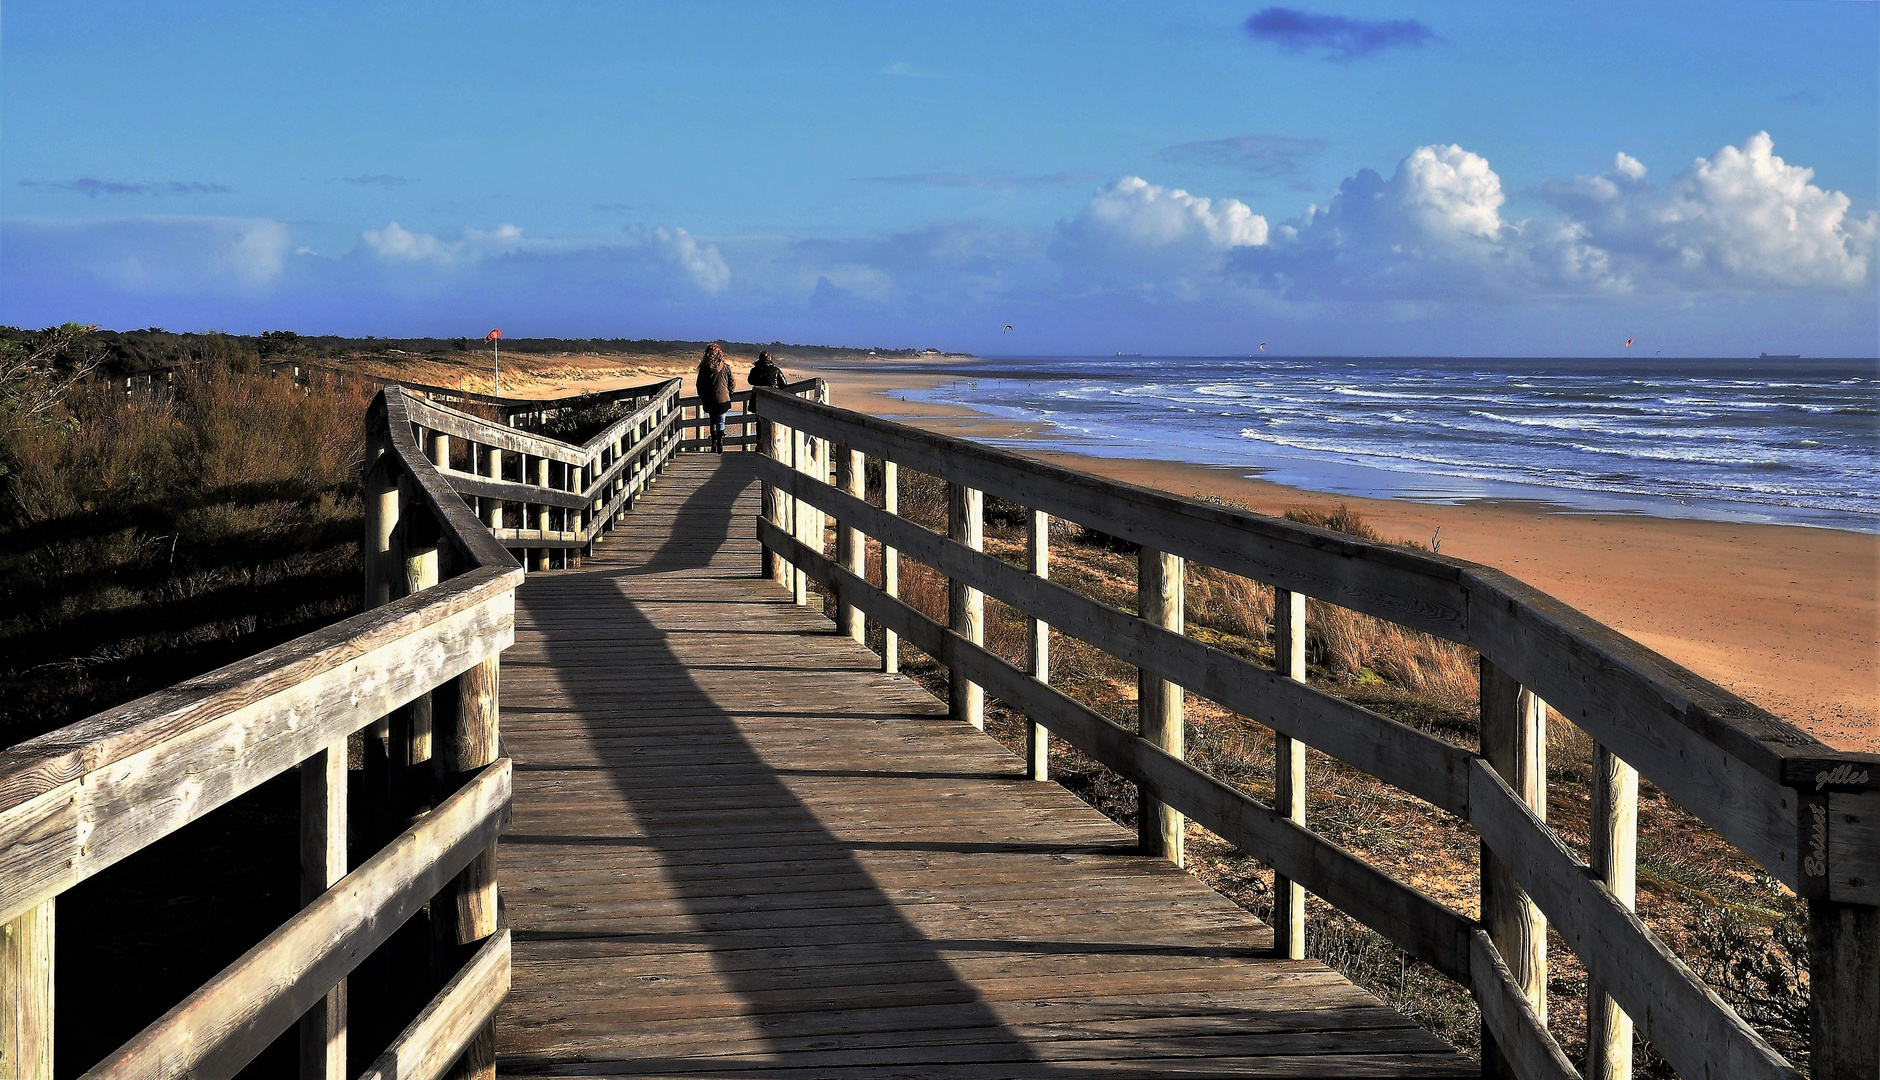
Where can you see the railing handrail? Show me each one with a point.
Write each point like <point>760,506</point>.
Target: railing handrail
<point>1641,693</point>
<point>79,799</point>
<point>1752,776</point>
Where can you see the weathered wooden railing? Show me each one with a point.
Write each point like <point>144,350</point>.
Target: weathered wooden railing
<point>547,499</point>
<point>1806,812</point>
<point>448,495</point>
<point>420,668</point>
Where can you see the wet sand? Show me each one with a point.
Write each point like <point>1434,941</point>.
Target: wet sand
<point>1786,616</point>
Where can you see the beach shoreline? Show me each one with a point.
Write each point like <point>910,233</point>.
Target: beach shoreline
<point>1786,616</point>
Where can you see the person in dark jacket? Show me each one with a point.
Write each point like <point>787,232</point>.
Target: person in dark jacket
<point>714,392</point>
<point>766,373</point>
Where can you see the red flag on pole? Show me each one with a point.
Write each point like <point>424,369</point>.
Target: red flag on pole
<point>492,335</point>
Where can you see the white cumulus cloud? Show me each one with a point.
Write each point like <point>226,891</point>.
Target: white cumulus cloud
<point>1140,232</point>
<point>395,243</point>
<point>1433,229</point>
<point>1137,213</point>
<point>1449,192</point>
<point>1740,218</point>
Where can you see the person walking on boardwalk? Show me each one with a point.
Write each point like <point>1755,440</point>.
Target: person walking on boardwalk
<point>714,392</point>
<point>765,373</point>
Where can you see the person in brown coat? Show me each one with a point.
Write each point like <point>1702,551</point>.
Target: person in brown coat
<point>714,392</point>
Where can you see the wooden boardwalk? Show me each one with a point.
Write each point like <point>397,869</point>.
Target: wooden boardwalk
<point>740,850</point>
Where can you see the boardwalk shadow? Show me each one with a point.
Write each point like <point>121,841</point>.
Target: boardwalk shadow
<point>701,527</point>
<point>683,911</point>
<point>805,952</point>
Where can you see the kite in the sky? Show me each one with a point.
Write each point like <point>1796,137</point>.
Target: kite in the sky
<point>1628,342</point>
<point>1008,328</point>
<point>1263,346</point>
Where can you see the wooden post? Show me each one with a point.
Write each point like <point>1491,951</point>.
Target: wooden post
<point>580,478</point>
<point>381,531</point>
<point>890,564</point>
<point>322,864</point>
<point>541,514</point>
<point>465,912</point>
<point>799,518</point>
<point>1614,829</point>
<point>494,507</point>
<point>440,449</point>
<point>1844,990</point>
<point>1289,773</point>
<point>1038,737</point>
<point>1159,712</point>
<point>819,471</point>
<point>422,571</point>
<point>1514,743</point>
<point>966,606</point>
<point>851,545</point>
<point>773,443</point>
<point>26,983</point>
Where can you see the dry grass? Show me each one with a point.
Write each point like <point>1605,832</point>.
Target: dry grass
<point>142,543</point>
<point>150,540</point>
<point>1736,926</point>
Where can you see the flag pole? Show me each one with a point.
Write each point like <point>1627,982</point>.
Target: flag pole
<point>496,350</point>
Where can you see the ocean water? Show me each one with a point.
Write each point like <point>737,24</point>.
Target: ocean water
<point>1775,440</point>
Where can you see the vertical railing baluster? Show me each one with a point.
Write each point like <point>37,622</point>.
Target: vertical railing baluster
<point>493,507</point>
<point>1843,984</point>
<point>465,912</point>
<point>774,440</point>
<point>381,531</point>
<point>966,606</point>
<point>799,529</point>
<point>1289,772</point>
<point>890,564</point>
<point>799,517</point>
<point>322,864</point>
<point>26,993</point>
<point>541,515</point>
<point>1038,556</point>
<point>1514,743</point>
<point>851,545</point>
<point>1614,851</point>
<point>1159,713</point>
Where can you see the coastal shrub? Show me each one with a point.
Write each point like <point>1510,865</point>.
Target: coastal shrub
<point>142,541</point>
<point>584,419</point>
<point>1344,520</point>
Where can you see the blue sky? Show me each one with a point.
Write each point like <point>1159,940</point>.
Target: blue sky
<point>1346,178</point>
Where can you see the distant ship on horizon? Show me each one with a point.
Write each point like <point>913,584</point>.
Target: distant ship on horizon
<point>1781,356</point>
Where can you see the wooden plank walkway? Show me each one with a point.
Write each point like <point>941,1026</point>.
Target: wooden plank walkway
<point>740,850</point>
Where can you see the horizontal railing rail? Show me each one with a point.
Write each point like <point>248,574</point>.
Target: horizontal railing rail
<point>414,677</point>
<point>548,500</point>
<point>1758,781</point>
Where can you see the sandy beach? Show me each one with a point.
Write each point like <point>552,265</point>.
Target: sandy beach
<point>1786,616</point>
